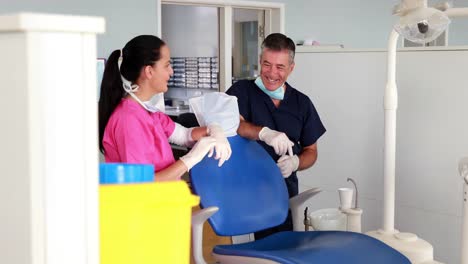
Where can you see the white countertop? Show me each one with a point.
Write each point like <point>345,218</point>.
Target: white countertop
<point>173,111</point>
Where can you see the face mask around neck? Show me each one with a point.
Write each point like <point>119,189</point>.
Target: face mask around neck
<point>276,94</point>
<point>155,104</point>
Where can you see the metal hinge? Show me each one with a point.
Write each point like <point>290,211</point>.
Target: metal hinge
<point>261,31</point>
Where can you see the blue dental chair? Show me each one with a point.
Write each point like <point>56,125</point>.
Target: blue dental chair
<point>248,194</point>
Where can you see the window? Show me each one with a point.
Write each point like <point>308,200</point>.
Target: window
<point>230,62</point>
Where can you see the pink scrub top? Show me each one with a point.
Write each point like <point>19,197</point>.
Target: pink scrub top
<point>134,135</point>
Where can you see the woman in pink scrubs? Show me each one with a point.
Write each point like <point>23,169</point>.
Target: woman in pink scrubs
<point>132,130</point>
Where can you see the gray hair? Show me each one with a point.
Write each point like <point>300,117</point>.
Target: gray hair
<point>279,42</point>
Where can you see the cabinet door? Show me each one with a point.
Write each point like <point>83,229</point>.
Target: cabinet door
<point>248,34</point>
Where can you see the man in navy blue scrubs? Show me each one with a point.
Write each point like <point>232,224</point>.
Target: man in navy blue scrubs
<point>282,119</point>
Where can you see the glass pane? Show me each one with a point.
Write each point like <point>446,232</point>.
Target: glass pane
<point>192,33</point>
<point>246,42</point>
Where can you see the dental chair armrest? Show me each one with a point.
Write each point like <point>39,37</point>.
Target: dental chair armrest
<point>295,204</point>
<point>198,219</point>
<point>301,198</point>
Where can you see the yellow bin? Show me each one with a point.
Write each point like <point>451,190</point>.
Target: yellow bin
<point>146,223</point>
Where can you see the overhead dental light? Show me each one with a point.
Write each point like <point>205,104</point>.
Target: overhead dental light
<point>422,24</point>
<point>417,23</point>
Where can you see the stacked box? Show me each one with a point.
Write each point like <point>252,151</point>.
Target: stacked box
<point>178,78</point>
<point>195,72</point>
<point>204,70</point>
<point>214,73</point>
<point>191,67</point>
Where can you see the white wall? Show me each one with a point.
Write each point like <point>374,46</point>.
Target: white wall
<point>356,24</point>
<point>347,90</point>
<point>124,19</point>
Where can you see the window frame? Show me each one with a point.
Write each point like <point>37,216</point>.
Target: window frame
<point>274,22</point>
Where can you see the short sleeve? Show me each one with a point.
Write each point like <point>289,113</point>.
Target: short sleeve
<point>166,122</point>
<point>313,127</point>
<point>239,90</point>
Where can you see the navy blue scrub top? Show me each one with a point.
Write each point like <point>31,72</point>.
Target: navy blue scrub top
<point>296,116</point>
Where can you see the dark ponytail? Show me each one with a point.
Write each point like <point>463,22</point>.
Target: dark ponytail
<point>111,93</point>
<point>139,52</point>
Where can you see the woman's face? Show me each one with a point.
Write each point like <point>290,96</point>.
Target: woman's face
<point>162,71</point>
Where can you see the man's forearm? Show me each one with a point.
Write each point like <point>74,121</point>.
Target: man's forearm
<point>308,157</point>
<point>198,132</point>
<point>248,130</point>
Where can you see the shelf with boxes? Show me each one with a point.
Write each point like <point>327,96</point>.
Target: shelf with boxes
<point>195,73</point>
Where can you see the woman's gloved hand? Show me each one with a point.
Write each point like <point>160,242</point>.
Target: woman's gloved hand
<point>278,140</point>
<point>288,164</point>
<point>222,146</point>
<point>198,152</point>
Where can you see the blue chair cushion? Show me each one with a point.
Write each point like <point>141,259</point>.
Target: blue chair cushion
<point>317,247</point>
<point>248,189</point>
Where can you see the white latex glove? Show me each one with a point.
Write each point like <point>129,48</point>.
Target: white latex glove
<point>222,146</point>
<point>288,164</point>
<point>198,152</point>
<point>278,140</point>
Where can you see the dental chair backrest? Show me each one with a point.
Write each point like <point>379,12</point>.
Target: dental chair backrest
<point>248,189</point>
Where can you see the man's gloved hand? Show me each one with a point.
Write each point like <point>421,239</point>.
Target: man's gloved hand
<point>222,146</point>
<point>198,152</point>
<point>288,164</point>
<point>278,140</point>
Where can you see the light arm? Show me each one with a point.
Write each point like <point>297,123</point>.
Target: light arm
<point>390,107</point>
<point>457,12</point>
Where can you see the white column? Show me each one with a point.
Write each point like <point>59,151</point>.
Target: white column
<point>48,139</point>
<point>390,107</point>
<point>225,48</point>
